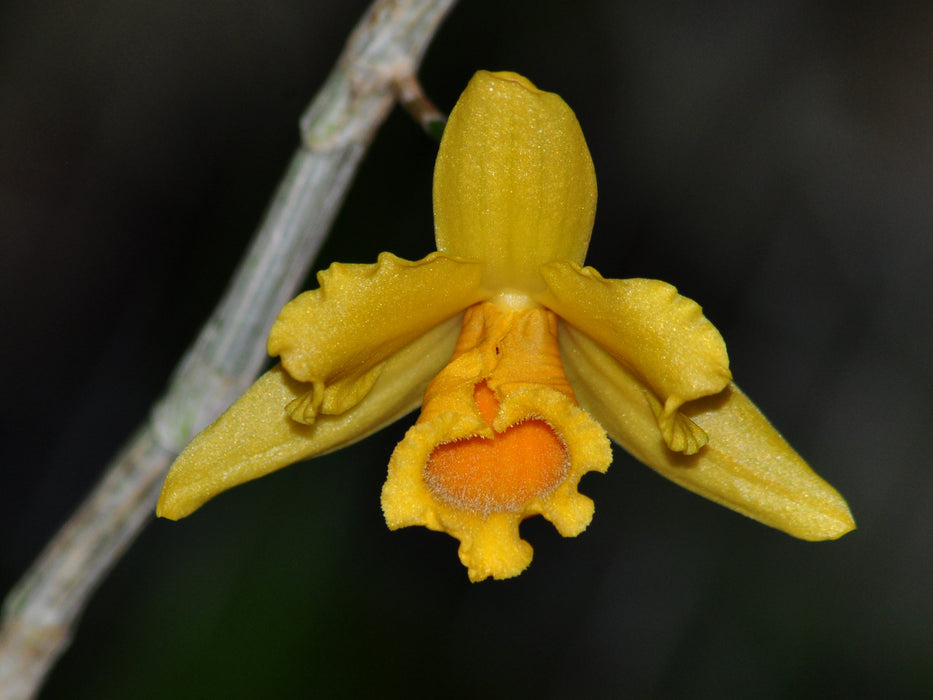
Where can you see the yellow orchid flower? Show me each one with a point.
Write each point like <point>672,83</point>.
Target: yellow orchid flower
<point>521,359</point>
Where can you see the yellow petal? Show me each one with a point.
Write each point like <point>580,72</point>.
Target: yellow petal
<point>514,184</point>
<point>335,337</point>
<point>646,325</point>
<point>256,436</point>
<point>746,466</point>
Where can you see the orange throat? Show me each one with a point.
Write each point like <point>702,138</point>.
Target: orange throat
<point>502,473</point>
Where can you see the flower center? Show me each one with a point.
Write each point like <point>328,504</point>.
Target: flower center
<point>503,473</point>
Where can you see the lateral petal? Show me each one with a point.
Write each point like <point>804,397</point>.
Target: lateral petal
<point>660,335</point>
<point>256,435</point>
<point>746,466</point>
<point>335,337</point>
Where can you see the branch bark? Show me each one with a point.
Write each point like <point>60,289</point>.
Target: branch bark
<point>40,614</point>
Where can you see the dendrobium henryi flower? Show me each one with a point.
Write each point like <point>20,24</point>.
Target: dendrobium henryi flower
<point>522,361</point>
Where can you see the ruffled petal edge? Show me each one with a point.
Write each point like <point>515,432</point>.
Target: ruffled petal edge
<point>336,337</point>
<point>661,336</point>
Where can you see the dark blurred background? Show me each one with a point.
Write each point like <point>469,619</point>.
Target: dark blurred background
<point>774,160</point>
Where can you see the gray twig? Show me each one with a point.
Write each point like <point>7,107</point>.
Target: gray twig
<point>40,614</point>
